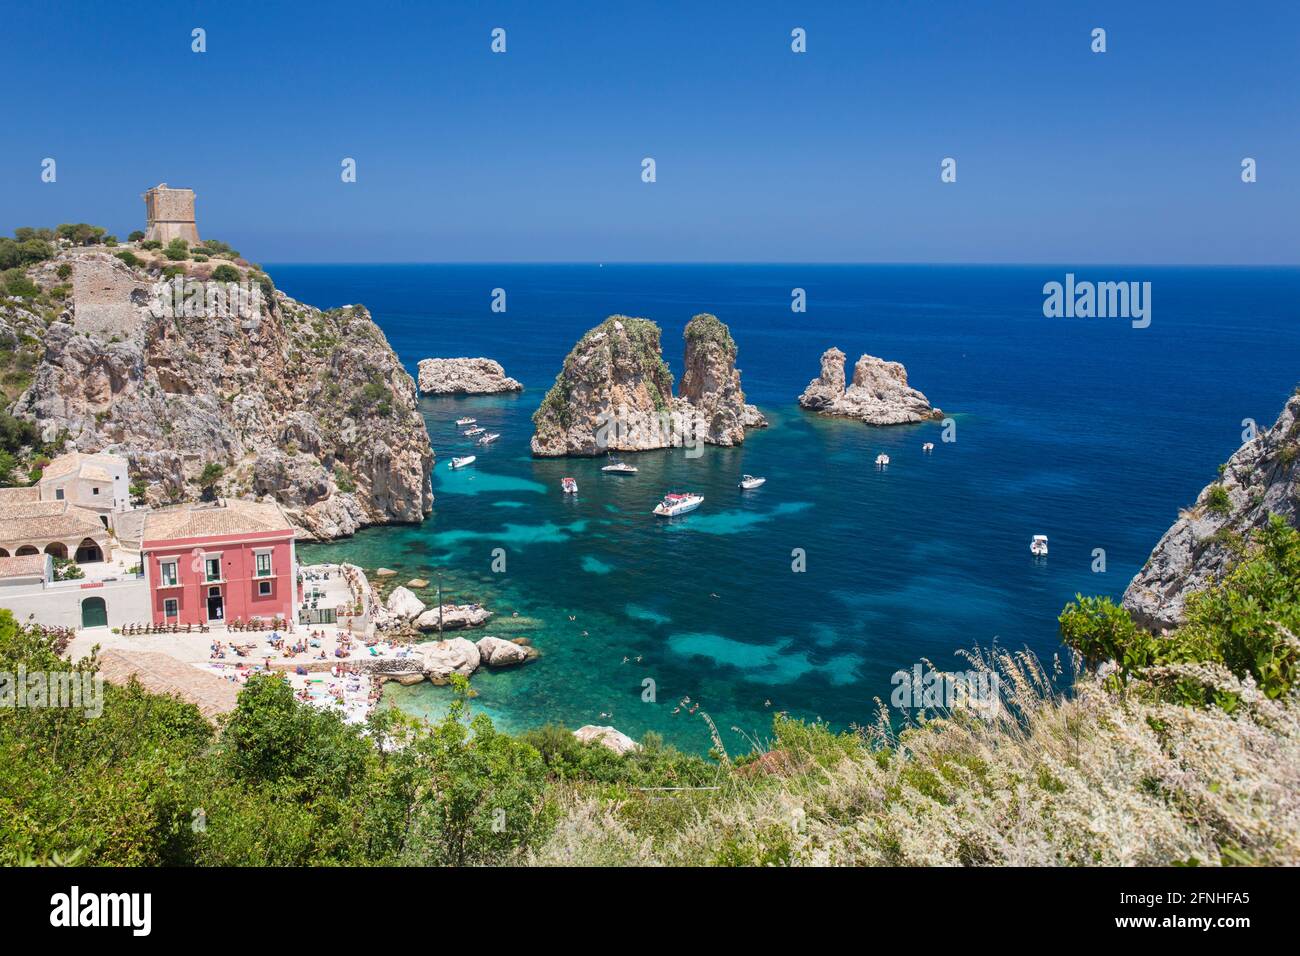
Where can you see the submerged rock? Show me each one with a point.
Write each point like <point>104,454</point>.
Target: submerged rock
<point>1262,478</point>
<point>464,376</point>
<point>615,740</point>
<point>878,395</point>
<point>615,392</point>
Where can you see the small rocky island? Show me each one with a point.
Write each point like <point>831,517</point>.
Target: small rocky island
<point>878,395</point>
<point>1262,478</point>
<point>464,376</point>
<point>615,392</point>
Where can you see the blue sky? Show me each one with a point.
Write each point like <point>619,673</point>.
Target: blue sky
<point>1063,155</point>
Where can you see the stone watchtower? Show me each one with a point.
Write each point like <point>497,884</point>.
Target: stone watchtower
<point>169,214</point>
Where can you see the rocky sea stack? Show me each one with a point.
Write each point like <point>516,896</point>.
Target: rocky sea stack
<point>615,392</point>
<point>310,408</point>
<point>1262,478</point>
<point>464,376</point>
<point>878,395</point>
<point>711,382</point>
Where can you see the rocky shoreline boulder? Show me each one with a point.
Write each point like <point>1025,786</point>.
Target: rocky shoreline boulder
<point>404,604</point>
<point>438,660</point>
<point>496,652</point>
<point>609,737</point>
<point>1261,479</point>
<point>614,393</point>
<point>878,395</point>
<point>464,376</point>
<point>453,617</point>
<point>441,659</point>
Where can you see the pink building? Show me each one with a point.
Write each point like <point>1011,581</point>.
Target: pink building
<point>220,561</point>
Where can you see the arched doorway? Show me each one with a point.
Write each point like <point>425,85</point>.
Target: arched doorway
<point>4,553</point>
<point>58,549</point>
<point>94,612</point>
<point>88,551</point>
<point>26,549</point>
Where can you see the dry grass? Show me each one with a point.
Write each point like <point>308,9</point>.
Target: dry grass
<point>1102,776</point>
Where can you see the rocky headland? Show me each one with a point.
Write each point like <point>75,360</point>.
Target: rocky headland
<point>277,399</point>
<point>1262,478</point>
<point>464,376</point>
<point>615,392</point>
<point>878,395</point>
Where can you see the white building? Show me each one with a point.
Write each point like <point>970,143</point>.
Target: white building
<point>97,482</point>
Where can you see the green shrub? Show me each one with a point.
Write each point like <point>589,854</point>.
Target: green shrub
<point>129,257</point>
<point>80,233</point>
<point>225,273</point>
<point>1240,622</point>
<point>1218,500</point>
<point>136,235</point>
<point>67,570</point>
<point>15,282</point>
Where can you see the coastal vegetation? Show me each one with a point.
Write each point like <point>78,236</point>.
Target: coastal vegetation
<point>1175,749</point>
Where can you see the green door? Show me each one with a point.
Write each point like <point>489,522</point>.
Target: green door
<point>94,612</point>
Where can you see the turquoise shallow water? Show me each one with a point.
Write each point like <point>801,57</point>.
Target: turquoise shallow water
<point>1094,434</point>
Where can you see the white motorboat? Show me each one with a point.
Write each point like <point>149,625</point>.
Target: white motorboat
<point>570,485</point>
<point>928,447</point>
<point>674,505</point>
<point>882,459</point>
<point>620,468</point>
<point>467,421</point>
<point>476,430</point>
<point>749,481</point>
<point>462,462</point>
<point>489,438</point>
<point>1038,545</point>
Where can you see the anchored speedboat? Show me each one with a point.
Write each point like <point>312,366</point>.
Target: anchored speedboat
<point>928,447</point>
<point>467,421</point>
<point>674,505</point>
<point>476,430</point>
<point>749,481</point>
<point>882,459</point>
<point>619,468</point>
<point>489,438</point>
<point>462,462</point>
<point>570,486</point>
<point>1038,545</point>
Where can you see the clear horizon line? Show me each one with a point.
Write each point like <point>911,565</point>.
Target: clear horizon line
<point>775,262</point>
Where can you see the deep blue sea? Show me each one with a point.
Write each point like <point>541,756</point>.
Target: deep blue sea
<point>1086,430</point>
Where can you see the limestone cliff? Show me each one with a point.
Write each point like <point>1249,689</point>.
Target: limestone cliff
<point>464,376</point>
<point>1262,478</point>
<point>878,395</point>
<point>615,392</point>
<point>311,408</point>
